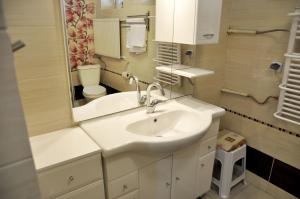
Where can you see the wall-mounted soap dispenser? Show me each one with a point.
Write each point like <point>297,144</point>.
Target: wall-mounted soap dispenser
<point>188,22</point>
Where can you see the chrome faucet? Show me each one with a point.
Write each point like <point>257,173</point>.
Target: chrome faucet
<point>141,99</point>
<point>152,104</point>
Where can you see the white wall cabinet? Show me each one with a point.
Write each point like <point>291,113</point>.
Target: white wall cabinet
<point>188,22</point>
<point>164,21</point>
<point>186,173</point>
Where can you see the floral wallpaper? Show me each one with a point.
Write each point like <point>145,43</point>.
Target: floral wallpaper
<point>79,29</point>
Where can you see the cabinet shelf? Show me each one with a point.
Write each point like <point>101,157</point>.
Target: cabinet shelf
<point>184,71</point>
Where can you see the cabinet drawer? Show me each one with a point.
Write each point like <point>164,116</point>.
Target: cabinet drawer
<point>207,146</point>
<point>91,191</point>
<point>71,176</point>
<point>132,195</point>
<point>123,185</point>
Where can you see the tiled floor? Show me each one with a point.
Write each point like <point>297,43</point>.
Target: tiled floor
<point>242,192</point>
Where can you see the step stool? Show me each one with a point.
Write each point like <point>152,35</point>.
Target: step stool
<point>229,169</point>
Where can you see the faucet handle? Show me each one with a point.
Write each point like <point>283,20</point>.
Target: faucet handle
<point>163,91</point>
<point>143,99</point>
<point>133,77</point>
<point>130,81</point>
<point>158,85</point>
<point>155,102</point>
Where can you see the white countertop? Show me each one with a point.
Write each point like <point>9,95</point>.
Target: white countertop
<point>201,105</point>
<point>112,140</point>
<point>60,147</point>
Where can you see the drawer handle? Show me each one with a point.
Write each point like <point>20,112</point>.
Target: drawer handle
<point>125,187</point>
<point>177,178</point>
<point>209,147</point>
<point>70,179</point>
<point>168,184</point>
<point>208,36</point>
<point>202,165</point>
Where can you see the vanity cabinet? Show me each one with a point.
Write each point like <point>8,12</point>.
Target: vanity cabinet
<point>188,22</point>
<point>185,173</point>
<point>68,164</point>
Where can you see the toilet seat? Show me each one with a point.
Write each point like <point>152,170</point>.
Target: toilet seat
<point>94,91</point>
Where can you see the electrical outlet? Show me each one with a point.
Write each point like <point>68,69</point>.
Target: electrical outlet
<point>189,52</point>
<point>276,66</point>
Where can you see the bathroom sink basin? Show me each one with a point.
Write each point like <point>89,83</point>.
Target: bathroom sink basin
<point>166,124</point>
<point>173,125</point>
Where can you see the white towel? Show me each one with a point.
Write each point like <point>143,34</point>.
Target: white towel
<point>136,36</point>
<point>137,50</point>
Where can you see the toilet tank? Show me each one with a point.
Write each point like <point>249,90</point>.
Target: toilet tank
<point>89,75</point>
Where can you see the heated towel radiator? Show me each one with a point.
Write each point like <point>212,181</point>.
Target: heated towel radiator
<point>167,54</point>
<point>289,101</point>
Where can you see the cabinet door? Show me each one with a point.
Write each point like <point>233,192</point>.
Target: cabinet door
<point>184,173</point>
<point>204,173</point>
<point>208,16</point>
<point>155,180</point>
<point>164,20</point>
<point>184,21</point>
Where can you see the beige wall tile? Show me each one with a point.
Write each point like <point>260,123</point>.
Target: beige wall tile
<point>40,66</point>
<point>46,104</point>
<point>30,12</point>
<point>43,55</point>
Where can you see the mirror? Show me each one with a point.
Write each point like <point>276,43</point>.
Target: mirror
<point>110,49</point>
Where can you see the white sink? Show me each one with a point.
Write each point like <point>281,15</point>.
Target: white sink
<point>167,124</point>
<point>172,126</point>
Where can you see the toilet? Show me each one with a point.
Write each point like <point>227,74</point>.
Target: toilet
<point>89,76</point>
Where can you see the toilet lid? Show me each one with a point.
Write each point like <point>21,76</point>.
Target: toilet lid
<point>94,90</point>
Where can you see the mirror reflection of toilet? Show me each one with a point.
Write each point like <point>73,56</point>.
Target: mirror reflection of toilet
<point>89,76</point>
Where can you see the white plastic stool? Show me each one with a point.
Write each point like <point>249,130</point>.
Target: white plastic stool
<point>229,169</point>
